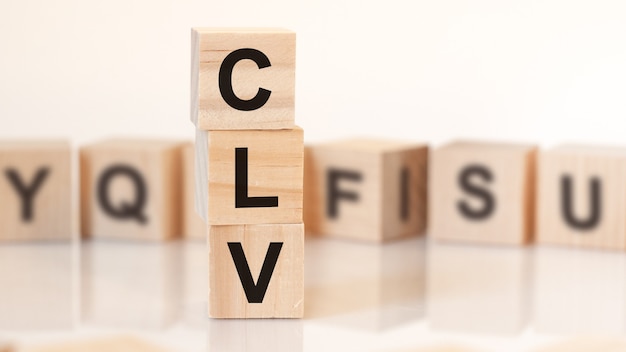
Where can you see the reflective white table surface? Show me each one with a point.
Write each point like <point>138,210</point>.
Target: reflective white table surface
<point>400,296</point>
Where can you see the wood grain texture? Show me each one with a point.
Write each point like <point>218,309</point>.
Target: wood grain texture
<point>117,344</point>
<point>512,172</point>
<point>193,225</point>
<point>582,164</point>
<point>158,163</point>
<point>275,167</point>
<point>284,297</point>
<point>210,46</point>
<point>383,210</point>
<point>49,217</point>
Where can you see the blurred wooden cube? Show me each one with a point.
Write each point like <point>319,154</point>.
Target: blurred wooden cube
<point>482,192</point>
<point>582,197</point>
<point>118,343</point>
<point>366,189</point>
<point>131,189</point>
<point>243,78</point>
<point>35,190</point>
<point>193,225</point>
<point>250,177</point>
<point>256,271</point>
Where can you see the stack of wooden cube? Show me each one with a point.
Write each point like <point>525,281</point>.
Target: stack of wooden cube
<point>249,162</point>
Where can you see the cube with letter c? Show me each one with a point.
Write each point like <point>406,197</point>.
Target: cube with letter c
<point>243,78</point>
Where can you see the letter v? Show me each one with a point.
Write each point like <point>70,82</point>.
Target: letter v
<point>255,292</point>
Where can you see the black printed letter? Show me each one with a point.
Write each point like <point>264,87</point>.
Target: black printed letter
<point>255,292</point>
<point>334,193</point>
<point>567,204</point>
<point>241,185</point>
<point>27,193</point>
<point>126,210</point>
<point>226,84</point>
<point>488,200</point>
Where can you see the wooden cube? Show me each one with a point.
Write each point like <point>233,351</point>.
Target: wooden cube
<point>256,271</point>
<point>250,177</point>
<point>482,192</point>
<point>582,197</point>
<point>366,189</point>
<point>35,189</point>
<point>6,346</point>
<point>243,78</point>
<point>131,189</point>
<point>193,225</point>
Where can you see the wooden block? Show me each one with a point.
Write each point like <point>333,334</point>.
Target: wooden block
<point>243,79</point>
<point>131,189</point>
<point>118,344</point>
<point>482,192</point>
<point>250,177</point>
<point>193,225</point>
<point>256,271</point>
<point>35,189</point>
<point>582,197</point>
<point>366,189</point>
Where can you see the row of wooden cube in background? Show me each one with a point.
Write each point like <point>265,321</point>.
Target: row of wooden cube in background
<point>363,189</point>
<point>130,188</point>
<point>478,192</point>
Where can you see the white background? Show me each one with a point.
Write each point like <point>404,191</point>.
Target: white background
<point>547,71</point>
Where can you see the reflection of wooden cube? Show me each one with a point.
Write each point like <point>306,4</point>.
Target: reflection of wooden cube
<point>131,284</point>
<point>582,197</point>
<point>35,189</point>
<point>366,189</point>
<point>477,289</point>
<point>250,177</point>
<point>362,286</point>
<point>564,282</point>
<point>41,295</point>
<point>193,226</point>
<point>242,335</point>
<point>482,192</point>
<point>256,271</point>
<point>131,189</point>
<point>243,79</point>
